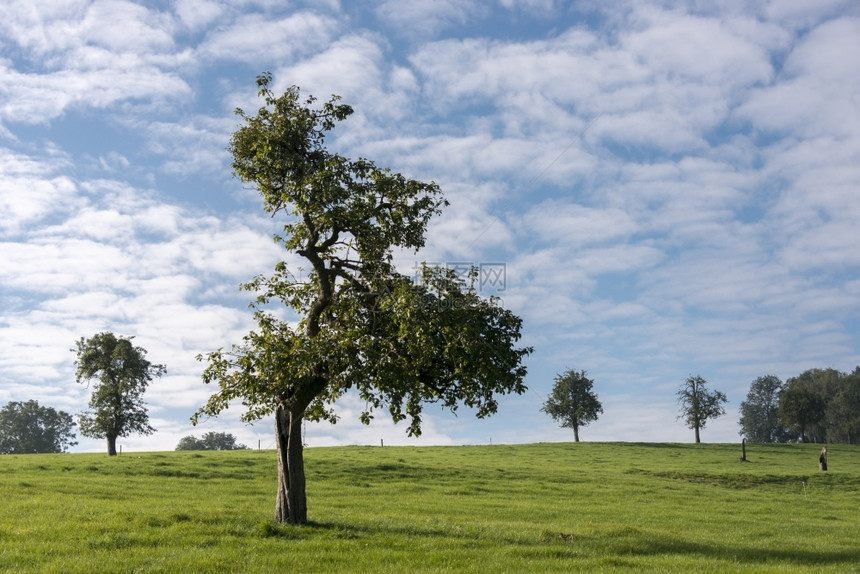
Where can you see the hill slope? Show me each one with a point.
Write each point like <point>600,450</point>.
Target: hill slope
<point>557,507</point>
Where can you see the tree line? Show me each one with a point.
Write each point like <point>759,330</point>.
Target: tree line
<point>210,441</point>
<point>818,405</point>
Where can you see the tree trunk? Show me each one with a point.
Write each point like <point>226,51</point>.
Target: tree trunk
<point>111,445</point>
<point>575,433</point>
<point>291,505</point>
<point>697,434</point>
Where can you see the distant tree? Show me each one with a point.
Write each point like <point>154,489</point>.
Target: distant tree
<point>572,403</point>
<point>800,407</point>
<point>396,342</point>
<point>210,441</point>
<point>826,384</point>
<point>29,428</point>
<point>121,374</point>
<point>698,405</point>
<point>190,442</point>
<point>843,411</point>
<point>760,420</point>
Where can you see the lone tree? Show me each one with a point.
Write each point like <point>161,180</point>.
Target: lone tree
<point>760,411</point>
<point>210,441</point>
<point>397,342</point>
<point>121,373</point>
<point>572,403</point>
<point>30,428</point>
<point>698,405</point>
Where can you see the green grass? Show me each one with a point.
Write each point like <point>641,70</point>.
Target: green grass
<point>524,508</point>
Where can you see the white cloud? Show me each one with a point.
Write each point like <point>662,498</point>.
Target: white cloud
<point>30,189</point>
<point>575,225</point>
<point>42,27</point>
<point>85,54</point>
<point>197,14</point>
<point>191,146</point>
<point>120,26</point>
<point>255,37</point>
<point>466,232</point>
<point>425,18</point>
<point>352,67</point>
<point>815,92</point>
<point>681,48</point>
<point>55,34</point>
<point>40,98</point>
<point>529,5</point>
<point>800,15</point>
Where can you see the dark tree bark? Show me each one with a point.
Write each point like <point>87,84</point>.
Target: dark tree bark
<point>291,504</point>
<point>111,445</point>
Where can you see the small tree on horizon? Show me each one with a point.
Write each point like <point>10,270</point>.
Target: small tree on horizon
<point>572,403</point>
<point>121,374</point>
<point>210,441</point>
<point>698,405</point>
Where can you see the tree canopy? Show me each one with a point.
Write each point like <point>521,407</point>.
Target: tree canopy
<point>805,409</point>
<point>698,405</point>
<point>572,402</point>
<point>801,408</point>
<point>760,420</point>
<point>843,410</point>
<point>818,405</point>
<point>363,326</point>
<point>210,441</point>
<point>120,373</point>
<point>30,428</point>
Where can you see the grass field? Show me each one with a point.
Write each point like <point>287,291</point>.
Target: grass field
<point>560,507</point>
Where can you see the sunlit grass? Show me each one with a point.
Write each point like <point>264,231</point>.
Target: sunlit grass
<point>523,508</point>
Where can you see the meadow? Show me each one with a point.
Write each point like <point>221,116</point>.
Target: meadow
<point>560,507</point>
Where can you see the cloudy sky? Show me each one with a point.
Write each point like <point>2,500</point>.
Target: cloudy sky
<point>657,188</point>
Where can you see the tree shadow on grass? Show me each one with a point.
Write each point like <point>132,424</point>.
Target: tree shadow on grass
<point>343,530</point>
<point>624,542</point>
<point>638,544</point>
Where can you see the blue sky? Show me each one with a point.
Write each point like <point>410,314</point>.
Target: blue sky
<point>670,188</point>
